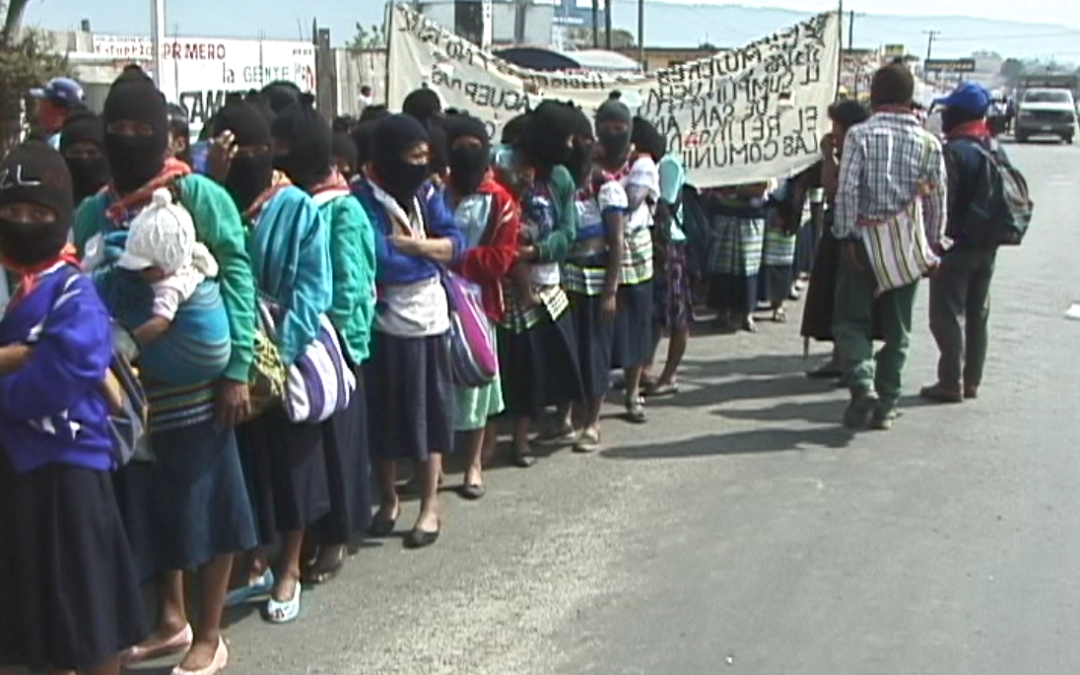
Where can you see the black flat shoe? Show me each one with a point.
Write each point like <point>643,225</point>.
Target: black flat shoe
<point>472,492</point>
<point>523,460</point>
<point>417,538</point>
<point>382,526</point>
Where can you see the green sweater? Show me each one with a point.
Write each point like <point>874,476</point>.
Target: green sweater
<point>556,248</point>
<point>218,225</point>
<point>352,256</point>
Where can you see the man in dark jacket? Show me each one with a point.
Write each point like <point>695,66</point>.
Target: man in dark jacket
<point>960,287</point>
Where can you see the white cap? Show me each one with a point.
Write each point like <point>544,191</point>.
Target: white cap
<point>162,236</point>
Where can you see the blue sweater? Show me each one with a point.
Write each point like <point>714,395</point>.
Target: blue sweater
<point>290,258</point>
<point>393,266</point>
<point>53,409</point>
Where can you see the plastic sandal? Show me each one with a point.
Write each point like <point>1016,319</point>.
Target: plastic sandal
<point>284,612</point>
<point>256,589</point>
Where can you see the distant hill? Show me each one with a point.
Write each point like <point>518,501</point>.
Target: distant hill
<point>688,25</point>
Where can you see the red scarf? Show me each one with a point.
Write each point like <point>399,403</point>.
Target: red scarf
<point>279,181</point>
<point>28,275</point>
<point>979,129</point>
<point>335,181</point>
<point>121,209</point>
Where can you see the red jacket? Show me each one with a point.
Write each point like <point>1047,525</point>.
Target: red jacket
<point>492,259</point>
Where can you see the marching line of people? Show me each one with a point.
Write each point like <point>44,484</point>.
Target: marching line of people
<point>308,306</point>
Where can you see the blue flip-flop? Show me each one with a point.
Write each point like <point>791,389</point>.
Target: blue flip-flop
<point>284,612</point>
<point>256,589</point>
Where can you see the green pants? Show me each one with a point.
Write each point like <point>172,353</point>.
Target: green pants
<point>852,326</point>
<point>961,288</point>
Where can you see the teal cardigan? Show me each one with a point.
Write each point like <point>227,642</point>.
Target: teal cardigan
<point>352,256</point>
<point>290,259</point>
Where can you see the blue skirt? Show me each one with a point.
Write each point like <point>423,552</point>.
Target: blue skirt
<point>633,326</point>
<point>595,342</point>
<point>413,401</point>
<point>188,506</point>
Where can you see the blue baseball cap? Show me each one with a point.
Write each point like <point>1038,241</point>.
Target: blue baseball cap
<point>970,97</point>
<point>60,90</point>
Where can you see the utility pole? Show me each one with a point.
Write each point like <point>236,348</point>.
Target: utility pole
<point>596,24</point>
<point>931,36</point>
<point>851,32</point>
<point>641,33</point>
<point>607,25</point>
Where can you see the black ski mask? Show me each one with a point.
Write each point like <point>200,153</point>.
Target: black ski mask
<point>249,175</point>
<point>616,143</point>
<point>34,173</point>
<point>545,134</point>
<point>89,172</point>
<point>580,163</point>
<point>468,164</point>
<point>310,141</point>
<point>134,160</point>
<point>392,139</point>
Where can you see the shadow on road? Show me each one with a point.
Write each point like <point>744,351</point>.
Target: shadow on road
<point>738,443</point>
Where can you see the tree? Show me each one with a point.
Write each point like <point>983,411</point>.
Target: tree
<point>372,37</point>
<point>985,54</point>
<point>581,37</point>
<point>27,60</point>
<point>1012,70</point>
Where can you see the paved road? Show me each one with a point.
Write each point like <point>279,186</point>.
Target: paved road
<point>744,531</point>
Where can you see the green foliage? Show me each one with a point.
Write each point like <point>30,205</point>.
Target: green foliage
<point>368,37</point>
<point>27,60</point>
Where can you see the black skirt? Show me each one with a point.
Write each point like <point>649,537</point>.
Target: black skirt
<point>69,595</point>
<point>732,293</point>
<point>595,341</point>
<point>774,284</point>
<point>633,326</point>
<point>285,466</point>
<point>540,366</point>
<point>348,471</point>
<point>412,401</point>
<point>820,302</point>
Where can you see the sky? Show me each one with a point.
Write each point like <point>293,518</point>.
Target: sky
<point>286,19</point>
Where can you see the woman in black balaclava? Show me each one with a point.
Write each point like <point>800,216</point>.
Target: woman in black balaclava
<point>345,155</point>
<point>641,181</point>
<point>415,235</point>
<point>174,505</point>
<point>280,95</point>
<point>82,142</point>
<point>581,157</point>
<point>423,104</point>
<point>250,171</point>
<point>537,346</point>
<point>303,150</point>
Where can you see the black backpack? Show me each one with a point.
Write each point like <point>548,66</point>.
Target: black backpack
<point>1000,207</point>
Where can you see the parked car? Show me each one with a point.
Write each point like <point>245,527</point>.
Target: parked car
<point>1046,112</point>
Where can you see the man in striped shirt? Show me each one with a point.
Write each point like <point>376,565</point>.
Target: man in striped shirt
<point>888,161</point>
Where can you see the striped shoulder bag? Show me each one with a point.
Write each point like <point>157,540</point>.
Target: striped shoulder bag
<point>898,248</point>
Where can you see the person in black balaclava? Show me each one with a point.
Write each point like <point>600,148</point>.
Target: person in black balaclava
<point>468,162</point>
<point>303,144</point>
<point>613,130</point>
<point>361,136</point>
<point>374,113</point>
<point>439,160</point>
<point>251,170</point>
<point>424,105</point>
<point>136,133</point>
<point>394,170</point>
<point>82,142</point>
<point>547,137</point>
<point>580,164</point>
<point>35,174</point>
<point>647,139</point>
<point>280,95</point>
<point>345,155</point>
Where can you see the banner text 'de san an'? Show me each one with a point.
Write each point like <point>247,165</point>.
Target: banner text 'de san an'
<point>738,116</point>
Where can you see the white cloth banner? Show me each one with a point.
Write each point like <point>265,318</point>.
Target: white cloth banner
<point>741,116</point>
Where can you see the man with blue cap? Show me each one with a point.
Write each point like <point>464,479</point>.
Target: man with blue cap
<point>960,288</point>
<point>56,101</point>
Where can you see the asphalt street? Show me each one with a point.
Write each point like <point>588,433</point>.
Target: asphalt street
<point>743,530</point>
